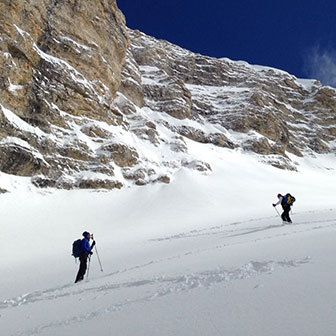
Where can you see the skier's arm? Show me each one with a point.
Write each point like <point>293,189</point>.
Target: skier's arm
<point>279,202</point>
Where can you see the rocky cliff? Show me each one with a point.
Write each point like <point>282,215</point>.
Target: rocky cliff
<point>87,103</point>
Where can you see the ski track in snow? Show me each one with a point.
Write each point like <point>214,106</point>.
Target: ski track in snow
<point>235,232</point>
<point>163,285</point>
<point>49,293</point>
<point>182,282</point>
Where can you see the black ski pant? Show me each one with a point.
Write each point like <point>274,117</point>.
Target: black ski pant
<point>285,215</point>
<point>82,267</point>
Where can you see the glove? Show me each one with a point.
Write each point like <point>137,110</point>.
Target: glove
<point>93,243</point>
<point>273,204</point>
<point>90,253</point>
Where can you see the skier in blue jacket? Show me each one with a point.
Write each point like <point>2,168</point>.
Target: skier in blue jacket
<point>86,251</point>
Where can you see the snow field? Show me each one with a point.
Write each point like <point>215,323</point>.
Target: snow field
<point>204,255</point>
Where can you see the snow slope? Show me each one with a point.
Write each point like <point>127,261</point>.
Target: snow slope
<point>204,255</point>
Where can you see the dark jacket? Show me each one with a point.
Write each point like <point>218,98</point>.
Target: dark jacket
<point>86,248</point>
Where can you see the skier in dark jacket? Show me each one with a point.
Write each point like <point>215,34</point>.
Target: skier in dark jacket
<point>286,208</point>
<point>86,251</point>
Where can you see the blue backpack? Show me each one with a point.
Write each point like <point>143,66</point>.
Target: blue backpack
<point>288,199</point>
<point>77,248</point>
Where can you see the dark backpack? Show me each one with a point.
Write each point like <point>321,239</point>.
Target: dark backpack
<point>288,199</point>
<point>77,248</point>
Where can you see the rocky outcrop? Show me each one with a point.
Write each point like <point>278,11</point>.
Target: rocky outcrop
<point>87,103</point>
<point>61,67</point>
<point>20,160</point>
<point>122,155</point>
<point>3,191</point>
<point>274,112</point>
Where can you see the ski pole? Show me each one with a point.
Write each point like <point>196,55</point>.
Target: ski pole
<point>277,211</point>
<point>88,270</point>
<point>101,267</point>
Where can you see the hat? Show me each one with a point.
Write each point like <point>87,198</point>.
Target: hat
<point>85,234</point>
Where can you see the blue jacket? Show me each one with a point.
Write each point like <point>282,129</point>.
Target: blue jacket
<point>86,248</point>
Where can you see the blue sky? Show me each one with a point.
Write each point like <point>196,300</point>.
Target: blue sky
<point>297,36</point>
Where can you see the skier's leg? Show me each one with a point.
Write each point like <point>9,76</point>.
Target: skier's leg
<point>283,217</point>
<point>82,267</point>
<point>286,213</point>
<point>78,275</point>
<point>288,218</point>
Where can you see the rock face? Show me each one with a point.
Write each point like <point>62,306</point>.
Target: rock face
<point>87,103</point>
<point>275,112</point>
<point>61,67</point>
